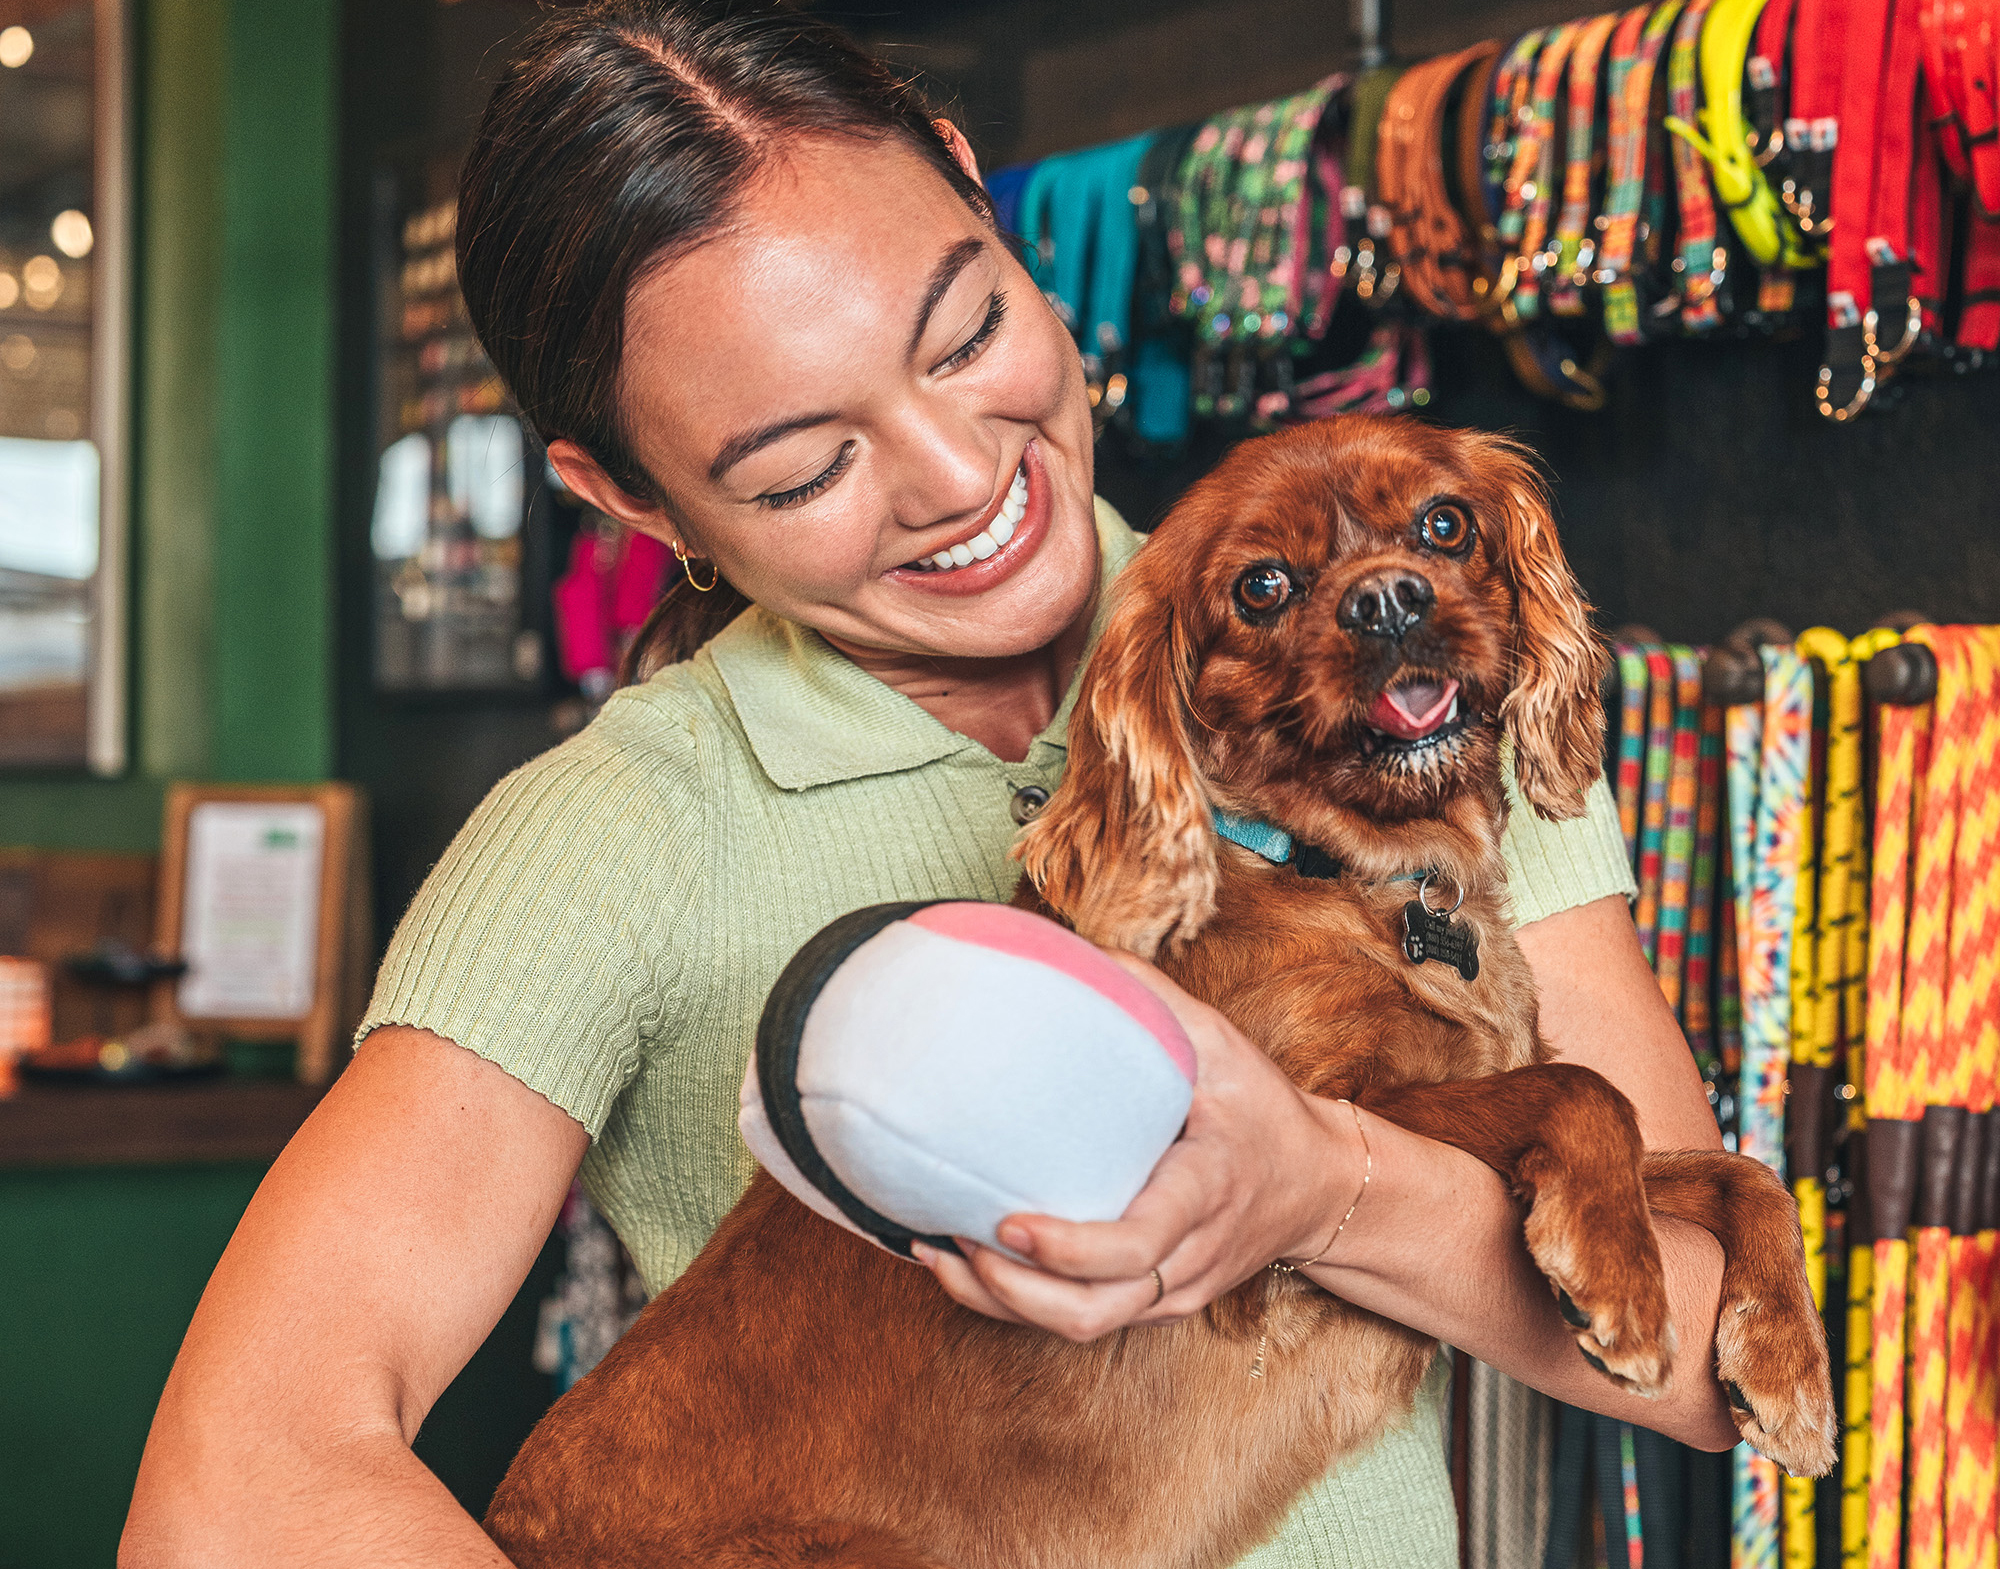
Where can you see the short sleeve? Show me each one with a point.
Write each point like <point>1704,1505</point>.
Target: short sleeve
<point>543,941</point>
<point>1553,867</point>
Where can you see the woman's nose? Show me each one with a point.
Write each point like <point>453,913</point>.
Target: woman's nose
<point>947,467</point>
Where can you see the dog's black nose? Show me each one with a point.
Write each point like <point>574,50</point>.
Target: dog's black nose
<point>1386,604</point>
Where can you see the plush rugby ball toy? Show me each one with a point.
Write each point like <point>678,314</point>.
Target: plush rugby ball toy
<point>924,1070</point>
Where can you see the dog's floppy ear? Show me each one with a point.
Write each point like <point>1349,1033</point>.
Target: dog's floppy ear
<point>1552,708</point>
<point>1125,850</point>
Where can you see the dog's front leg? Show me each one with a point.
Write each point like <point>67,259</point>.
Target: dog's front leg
<point>1567,1143</point>
<point>1770,1346</point>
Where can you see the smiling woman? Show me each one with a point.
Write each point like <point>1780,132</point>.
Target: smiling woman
<point>749,290</point>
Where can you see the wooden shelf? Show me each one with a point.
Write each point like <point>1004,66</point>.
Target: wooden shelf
<point>151,1124</point>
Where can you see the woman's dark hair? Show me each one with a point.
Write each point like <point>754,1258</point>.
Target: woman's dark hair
<point>621,137</point>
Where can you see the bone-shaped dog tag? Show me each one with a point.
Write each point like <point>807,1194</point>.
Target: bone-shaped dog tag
<point>1430,934</point>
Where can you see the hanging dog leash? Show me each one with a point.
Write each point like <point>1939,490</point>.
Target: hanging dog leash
<point>1972,941</point>
<point>1926,1046</point>
<point>1894,1104</point>
<point>1677,857</point>
<point>1770,757</point>
<point>1698,1014</point>
<point>1983,1011</point>
<point>1631,745</point>
<point>1848,718</point>
<point>1653,805</point>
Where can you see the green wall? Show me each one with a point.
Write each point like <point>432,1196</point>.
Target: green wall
<point>104,1269</point>
<point>234,146</point>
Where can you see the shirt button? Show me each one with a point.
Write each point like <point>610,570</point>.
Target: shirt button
<point>1028,803</point>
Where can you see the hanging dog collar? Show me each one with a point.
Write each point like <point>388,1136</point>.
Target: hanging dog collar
<point>1631,95</point>
<point>1868,283</point>
<point>1571,250</point>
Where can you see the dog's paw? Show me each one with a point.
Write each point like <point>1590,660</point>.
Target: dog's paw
<point>1605,1270</point>
<point>1771,1358</point>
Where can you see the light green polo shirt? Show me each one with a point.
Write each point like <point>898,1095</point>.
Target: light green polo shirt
<point>606,926</point>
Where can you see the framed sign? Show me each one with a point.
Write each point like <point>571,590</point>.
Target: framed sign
<point>263,894</point>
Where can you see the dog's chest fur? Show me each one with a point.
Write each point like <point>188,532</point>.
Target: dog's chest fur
<point>1314,970</point>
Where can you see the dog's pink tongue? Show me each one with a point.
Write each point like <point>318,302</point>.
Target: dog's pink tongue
<point>1413,709</point>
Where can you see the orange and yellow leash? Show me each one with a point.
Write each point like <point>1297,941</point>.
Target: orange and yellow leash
<point>1970,1044</point>
<point>1925,973</point>
<point>1894,1100</point>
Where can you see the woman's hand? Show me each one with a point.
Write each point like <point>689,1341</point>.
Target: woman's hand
<point>1262,1172</point>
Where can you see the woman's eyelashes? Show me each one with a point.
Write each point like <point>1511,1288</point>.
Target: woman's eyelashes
<point>779,499</point>
<point>996,312</point>
<point>964,354</point>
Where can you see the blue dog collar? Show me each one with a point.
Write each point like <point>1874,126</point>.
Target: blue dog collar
<point>1273,844</point>
<point>1281,849</point>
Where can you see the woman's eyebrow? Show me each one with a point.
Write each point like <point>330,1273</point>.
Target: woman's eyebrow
<point>943,275</point>
<point>737,448</point>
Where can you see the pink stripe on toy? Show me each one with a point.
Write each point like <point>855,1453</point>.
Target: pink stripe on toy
<point>1008,930</point>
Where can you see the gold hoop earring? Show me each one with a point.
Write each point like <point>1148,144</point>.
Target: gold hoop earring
<point>687,571</point>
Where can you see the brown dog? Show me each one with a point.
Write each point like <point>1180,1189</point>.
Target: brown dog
<point>1327,636</point>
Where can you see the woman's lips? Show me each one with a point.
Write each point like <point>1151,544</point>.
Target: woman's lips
<point>1008,556</point>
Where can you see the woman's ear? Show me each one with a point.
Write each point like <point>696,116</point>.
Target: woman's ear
<point>1552,709</point>
<point>961,149</point>
<point>1125,851</point>
<point>586,479</point>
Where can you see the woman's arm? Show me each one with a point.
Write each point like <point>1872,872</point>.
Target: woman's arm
<point>377,1254</point>
<point>1264,1172</point>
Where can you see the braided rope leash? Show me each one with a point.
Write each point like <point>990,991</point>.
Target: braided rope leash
<point>1678,842</point>
<point>1773,812</point>
<point>1925,976</point>
<point>1653,810</point>
<point>1983,946</point>
<point>1848,716</point>
<point>1631,744</point>
<point>1893,1103</point>
<point>1697,1006</point>
<point>1970,1045</point>
<point>1819,951</point>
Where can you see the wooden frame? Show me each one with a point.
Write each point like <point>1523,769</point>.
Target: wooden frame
<point>342,934</point>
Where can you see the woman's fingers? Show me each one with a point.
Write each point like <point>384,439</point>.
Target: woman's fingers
<point>1077,1310</point>
<point>962,1285</point>
<point>1175,1201</point>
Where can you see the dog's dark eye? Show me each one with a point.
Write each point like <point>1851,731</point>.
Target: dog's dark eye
<point>1263,589</point>
<point>1446,527</point>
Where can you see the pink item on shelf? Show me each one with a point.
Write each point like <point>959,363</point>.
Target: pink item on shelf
<point>611,586</point>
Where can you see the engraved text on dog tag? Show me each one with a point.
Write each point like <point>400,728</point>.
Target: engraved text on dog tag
<point>1429,934</point>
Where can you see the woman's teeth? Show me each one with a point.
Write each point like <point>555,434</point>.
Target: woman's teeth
<point>988,539</point>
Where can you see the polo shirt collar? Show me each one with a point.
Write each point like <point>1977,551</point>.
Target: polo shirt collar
<point>814,717</point>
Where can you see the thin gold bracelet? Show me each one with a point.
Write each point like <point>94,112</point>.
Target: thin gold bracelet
<point>1367,1175</point>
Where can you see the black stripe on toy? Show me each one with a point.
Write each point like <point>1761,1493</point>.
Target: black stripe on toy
<point>778,1035</point>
